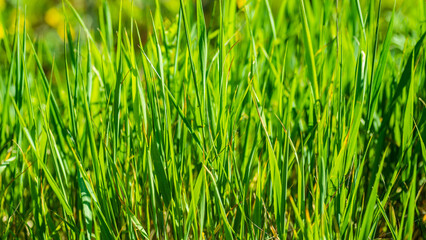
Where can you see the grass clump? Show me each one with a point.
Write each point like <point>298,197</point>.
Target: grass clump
<point>215,120</point>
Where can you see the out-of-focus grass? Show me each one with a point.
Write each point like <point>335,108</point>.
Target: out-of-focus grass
<point>234,119</point>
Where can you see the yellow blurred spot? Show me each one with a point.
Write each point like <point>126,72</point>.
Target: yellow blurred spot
<point>1,30</point>
<point>241,3</point>
<point>61,31</point>
<point>2,4</point>
<point>53,17</point>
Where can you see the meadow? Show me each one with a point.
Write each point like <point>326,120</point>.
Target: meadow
<point>217,119</point>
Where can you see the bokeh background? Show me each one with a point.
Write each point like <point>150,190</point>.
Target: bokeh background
<point>45,18</point>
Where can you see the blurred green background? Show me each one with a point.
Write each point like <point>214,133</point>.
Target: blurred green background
<point>45,17</point>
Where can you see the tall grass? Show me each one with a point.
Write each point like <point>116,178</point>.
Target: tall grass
<point>241,120</point>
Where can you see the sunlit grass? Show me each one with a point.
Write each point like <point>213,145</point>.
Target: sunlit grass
<point>231,120</point>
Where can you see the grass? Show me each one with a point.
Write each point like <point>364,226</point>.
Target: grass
<point>221,120</point>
